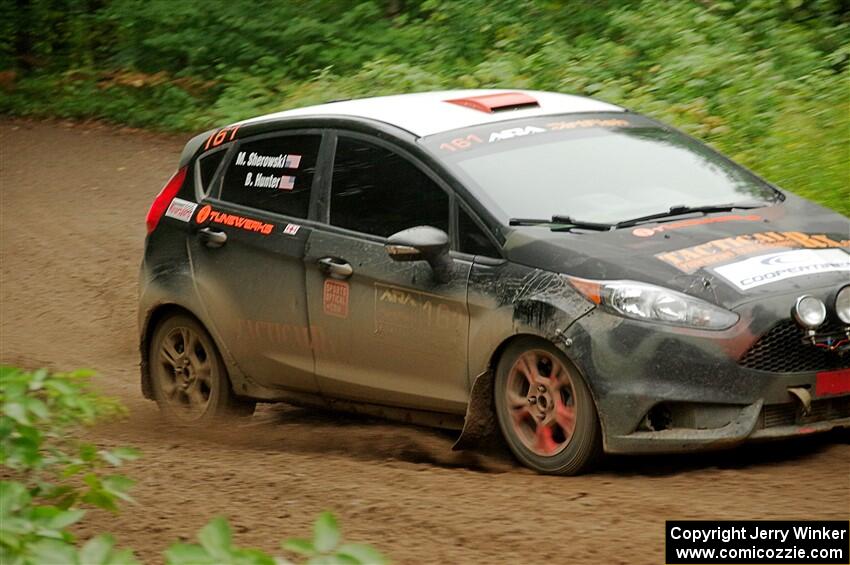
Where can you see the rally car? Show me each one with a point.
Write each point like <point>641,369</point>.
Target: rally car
<point>578,276</point>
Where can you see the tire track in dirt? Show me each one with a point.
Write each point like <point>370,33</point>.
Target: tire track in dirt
<point>72,204</point>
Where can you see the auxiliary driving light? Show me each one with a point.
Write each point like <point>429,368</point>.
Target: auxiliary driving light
<point>809,312</point>
<point>842,304</point>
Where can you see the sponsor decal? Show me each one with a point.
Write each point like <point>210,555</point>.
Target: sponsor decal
<point>406,319</point>
<point>775,267</point>
<point>514,132</point>
<point>724,250</point>
<point>293,337</point>
<point>611,123</point>
<point>414,310</point>
<point>291,229</point>
<point>649,232</point>
<point>472,140</point>
<point>180,209</point>
<point>233,220</point>
<point>335,298</point>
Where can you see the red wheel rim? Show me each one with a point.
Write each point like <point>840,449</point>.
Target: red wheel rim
<point>541,402</point>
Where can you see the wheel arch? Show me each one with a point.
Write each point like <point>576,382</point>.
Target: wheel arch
<point>480,420</point>
<point>152,320</point>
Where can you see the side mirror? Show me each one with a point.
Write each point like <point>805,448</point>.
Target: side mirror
<point>422,243</point>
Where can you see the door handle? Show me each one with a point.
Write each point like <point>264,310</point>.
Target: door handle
<point>336,268</point>
<point>211,237</point>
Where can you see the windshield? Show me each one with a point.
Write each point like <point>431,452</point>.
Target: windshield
<point>603,168</point>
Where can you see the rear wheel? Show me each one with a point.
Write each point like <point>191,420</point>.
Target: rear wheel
<point>189,379</point>
<point>545,409</point>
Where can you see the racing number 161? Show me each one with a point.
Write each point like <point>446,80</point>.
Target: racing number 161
<point>216,138</point>
<point>460,143</point>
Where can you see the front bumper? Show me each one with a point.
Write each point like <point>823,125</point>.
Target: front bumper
<point>665,389</point>
<point>752,422</point>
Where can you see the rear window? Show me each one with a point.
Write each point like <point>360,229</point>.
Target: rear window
<point>273,174</point>
<point>207,167</point>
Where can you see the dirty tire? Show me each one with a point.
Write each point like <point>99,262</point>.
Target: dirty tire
<point>189,379</point>
<point>545,410</point>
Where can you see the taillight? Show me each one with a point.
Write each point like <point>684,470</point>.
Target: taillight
<point>164,198</point>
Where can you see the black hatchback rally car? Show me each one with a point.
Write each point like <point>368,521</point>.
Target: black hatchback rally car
<point>581,276</point>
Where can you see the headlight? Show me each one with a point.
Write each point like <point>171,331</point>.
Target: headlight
<point>809,312</point>
<point>654,303</point>
<point>842,304</point>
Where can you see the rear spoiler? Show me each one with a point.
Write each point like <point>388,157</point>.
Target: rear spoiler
<point>192,147</point>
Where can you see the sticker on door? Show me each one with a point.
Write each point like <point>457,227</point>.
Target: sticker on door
<point>335,298</point>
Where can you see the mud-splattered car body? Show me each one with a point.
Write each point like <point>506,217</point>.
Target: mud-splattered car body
<point>306,311</point>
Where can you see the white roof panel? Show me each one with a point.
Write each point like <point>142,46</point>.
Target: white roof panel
<point>427,113</point>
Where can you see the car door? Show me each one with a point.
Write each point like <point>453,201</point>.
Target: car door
<point>247,257</point>
<point>398,335</point>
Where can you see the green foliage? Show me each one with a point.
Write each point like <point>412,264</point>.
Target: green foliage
<point>216,548</point>
<point>765,81</point>
<point>55,473</point>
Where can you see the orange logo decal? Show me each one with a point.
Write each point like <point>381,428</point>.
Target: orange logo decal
<point>234,220</point>
<point>724,250</point>
<point>648,232</point>
<point>203,214</point>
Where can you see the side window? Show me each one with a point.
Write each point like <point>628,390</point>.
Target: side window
<point>273,174</point>
<point>378,192</point>
<point>472,239</point>
<point>207,167</point>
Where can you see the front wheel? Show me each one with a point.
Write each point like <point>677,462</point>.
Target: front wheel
<point>545,409</point>
<point>189,378</point>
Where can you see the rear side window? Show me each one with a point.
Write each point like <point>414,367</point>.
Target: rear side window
<point>207,167</point>
<point>273,174</point>
<point>379,192</point>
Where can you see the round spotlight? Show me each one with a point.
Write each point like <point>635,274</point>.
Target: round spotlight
<point>842,304</point>
<point>809,312</point>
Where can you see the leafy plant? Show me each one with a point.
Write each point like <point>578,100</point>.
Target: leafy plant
<point>55,472</point>
<point>326,548</point>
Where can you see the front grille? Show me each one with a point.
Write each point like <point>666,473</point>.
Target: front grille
<point>782,350</point>
<point>822,410</point>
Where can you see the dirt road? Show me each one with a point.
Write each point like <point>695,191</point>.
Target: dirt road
<point>72,206</point>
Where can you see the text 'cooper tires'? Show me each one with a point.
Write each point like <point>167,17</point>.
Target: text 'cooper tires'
<point>189,379</point>
<point>545,410</point>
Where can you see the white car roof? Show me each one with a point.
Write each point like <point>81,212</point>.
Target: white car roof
<point>427,113</point>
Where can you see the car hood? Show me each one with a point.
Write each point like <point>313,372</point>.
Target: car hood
<point>727,258</point>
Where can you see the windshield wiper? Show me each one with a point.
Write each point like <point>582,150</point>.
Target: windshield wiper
<point>566,223</point>
<point>680,210</point>
<point>560,223</point>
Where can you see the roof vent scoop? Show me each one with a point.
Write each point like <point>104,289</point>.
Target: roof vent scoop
<point>500,102</point>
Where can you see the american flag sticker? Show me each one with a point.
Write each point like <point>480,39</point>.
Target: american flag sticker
<point>286,183</point>
<point>292,161</point>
